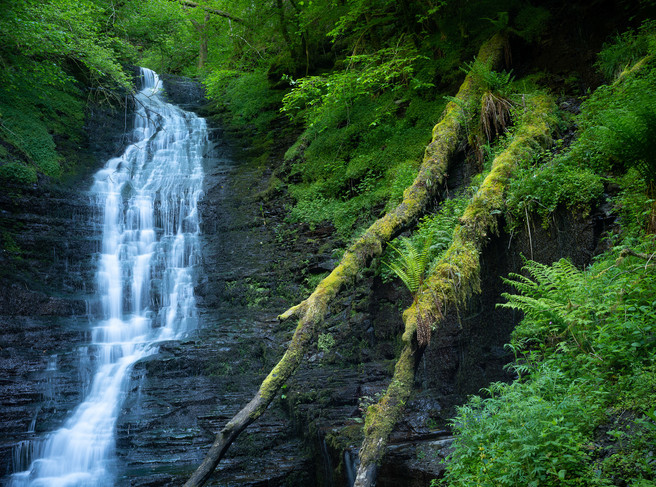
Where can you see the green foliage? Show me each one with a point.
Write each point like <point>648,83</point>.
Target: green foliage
<point>626,135</point>
<point>40,34</point>
<point>163,33</point>
<point>48,50</point>
<point>585,359</point>
<point>362,160</point>
<point>325,342</point>
<point>626,49</point>
<point>626,456</point>
<point>388,69</point>
<point>247,96</point>
<point>532,434</point>
<point>542,189</point>
<point>606,312</point>
<point>367,127</point>
<point>616,123</point>
<point>411,259</point>
<point>494,81</point>
<point>531,22</point>
<point>17,173</point>
<point>9,245</point>
<point>633,206</point>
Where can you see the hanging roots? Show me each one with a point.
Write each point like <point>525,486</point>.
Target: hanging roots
<point>425,328</point>
<point>495,114</point>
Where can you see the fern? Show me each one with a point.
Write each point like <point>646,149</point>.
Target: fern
<point>411,262</point>
<point>550,300</point>
<point>585,351</point>
<point>411,259</point>
<point>629,136</point>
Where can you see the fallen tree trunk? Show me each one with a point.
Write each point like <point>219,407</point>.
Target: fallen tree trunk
<point>455,278</point>
<point>310,312</point>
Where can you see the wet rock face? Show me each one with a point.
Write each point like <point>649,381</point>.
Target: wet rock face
<point>187,93</point>
<point>49,238</point>
<point>181,396</point>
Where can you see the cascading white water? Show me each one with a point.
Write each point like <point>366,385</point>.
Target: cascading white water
<point>150,244</point>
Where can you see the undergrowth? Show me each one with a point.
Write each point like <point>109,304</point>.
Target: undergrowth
<point>247,97</point>
<point>359,163</point>
<point>32,121</point>
<point>581,410</point>
<point>585,364</point>
<point>366,128</point>
<point>616,129</point>
<point>56,55</point>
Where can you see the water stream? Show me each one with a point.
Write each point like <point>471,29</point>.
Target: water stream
<point>150,245</point>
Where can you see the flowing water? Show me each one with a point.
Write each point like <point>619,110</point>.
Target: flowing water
<point>150,244</point>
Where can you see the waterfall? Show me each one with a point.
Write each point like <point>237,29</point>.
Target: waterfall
<point>150,243</point>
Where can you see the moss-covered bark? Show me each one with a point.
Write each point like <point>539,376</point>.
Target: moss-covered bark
<point>454,279</point>
<point>310,312</point>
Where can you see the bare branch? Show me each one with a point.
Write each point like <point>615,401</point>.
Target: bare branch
<point>221,13</point>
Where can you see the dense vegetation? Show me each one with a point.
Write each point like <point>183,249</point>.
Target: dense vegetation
<point>356,87</point>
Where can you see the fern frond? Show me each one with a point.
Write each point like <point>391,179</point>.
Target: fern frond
<point>410,264</point>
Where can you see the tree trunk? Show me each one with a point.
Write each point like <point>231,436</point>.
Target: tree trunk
<point>455,278</point>
<point>310,312</point>
<point>202,46</point>
<point>284,30</point>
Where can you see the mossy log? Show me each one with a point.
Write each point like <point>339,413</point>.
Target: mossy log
<point>447,135</point>
<point>455,278</point>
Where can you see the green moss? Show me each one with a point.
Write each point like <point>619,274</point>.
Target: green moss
<point>246,97</point>
<point>34,116</point>
<point>456,276</point>
<point>382,416</point>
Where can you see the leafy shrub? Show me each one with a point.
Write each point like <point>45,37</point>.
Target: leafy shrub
<point>542,189</point>
<point>627,135</point>
<point>366,75</point>
<point>633,206</point>
<point>532,434</point>
<point>626,49</point>
<point>616,121</point>
<point>29,127</point>
<point>49,49</point>
<point>17,173</point>
<point>247,96</point>
<point>585,359</point>
<point>352,167</point>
